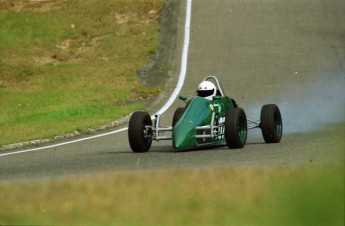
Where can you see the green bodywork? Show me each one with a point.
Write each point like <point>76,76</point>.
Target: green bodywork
<point>198,112</point>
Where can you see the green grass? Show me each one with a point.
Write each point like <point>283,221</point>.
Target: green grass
<point>310,197</point>
<point>225,196</point>
<point>71,65</point>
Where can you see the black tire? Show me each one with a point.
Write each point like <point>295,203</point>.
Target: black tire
<point>177,115</point>
<point>138,140</point>
<point>271,123</point>
<point>235,128</point>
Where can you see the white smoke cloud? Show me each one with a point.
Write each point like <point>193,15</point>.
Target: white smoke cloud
<point>311,107</point>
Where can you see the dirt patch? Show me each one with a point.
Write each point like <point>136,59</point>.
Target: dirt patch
<point>31,5</point>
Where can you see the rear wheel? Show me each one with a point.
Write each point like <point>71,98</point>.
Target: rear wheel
<point>140,131</point>
<point>236,128</point>
<point>271,123</point>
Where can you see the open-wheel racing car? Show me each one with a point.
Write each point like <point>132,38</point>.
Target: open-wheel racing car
<point>209,118</point>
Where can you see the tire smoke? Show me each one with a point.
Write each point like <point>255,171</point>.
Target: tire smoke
<point>310,108</point>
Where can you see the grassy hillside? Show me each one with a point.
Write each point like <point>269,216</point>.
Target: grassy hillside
<point>71,65</point>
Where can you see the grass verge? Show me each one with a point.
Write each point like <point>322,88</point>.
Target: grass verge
<point>72,65</point>
<point>225,196</point>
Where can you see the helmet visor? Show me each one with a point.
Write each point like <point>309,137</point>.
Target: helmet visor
<point>205,93</point>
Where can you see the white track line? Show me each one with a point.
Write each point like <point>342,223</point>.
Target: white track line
<point>61,144</point>
<point>172,98</point>
<point>183,59</point>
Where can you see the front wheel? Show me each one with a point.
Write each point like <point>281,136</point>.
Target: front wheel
<point>271,123</point>
<point>177,115</point>
<point>235,128</point>
<point>140,131</point>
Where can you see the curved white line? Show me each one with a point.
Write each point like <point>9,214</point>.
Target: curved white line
<point>183,60</point>
<point>172,98</point>
<point>64,143</point>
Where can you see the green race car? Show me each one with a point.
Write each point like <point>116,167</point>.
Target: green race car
<point>207,119</point>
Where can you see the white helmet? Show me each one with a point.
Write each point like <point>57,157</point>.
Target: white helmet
<point>207,90</point>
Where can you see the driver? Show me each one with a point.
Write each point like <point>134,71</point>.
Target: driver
<point>207,90</point>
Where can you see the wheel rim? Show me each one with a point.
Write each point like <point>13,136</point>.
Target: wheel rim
<point>147,135</point>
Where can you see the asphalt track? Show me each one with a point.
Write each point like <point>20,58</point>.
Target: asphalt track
<point>291,53</point>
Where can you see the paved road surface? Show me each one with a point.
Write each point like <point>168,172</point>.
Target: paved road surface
<point>291,53</point>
